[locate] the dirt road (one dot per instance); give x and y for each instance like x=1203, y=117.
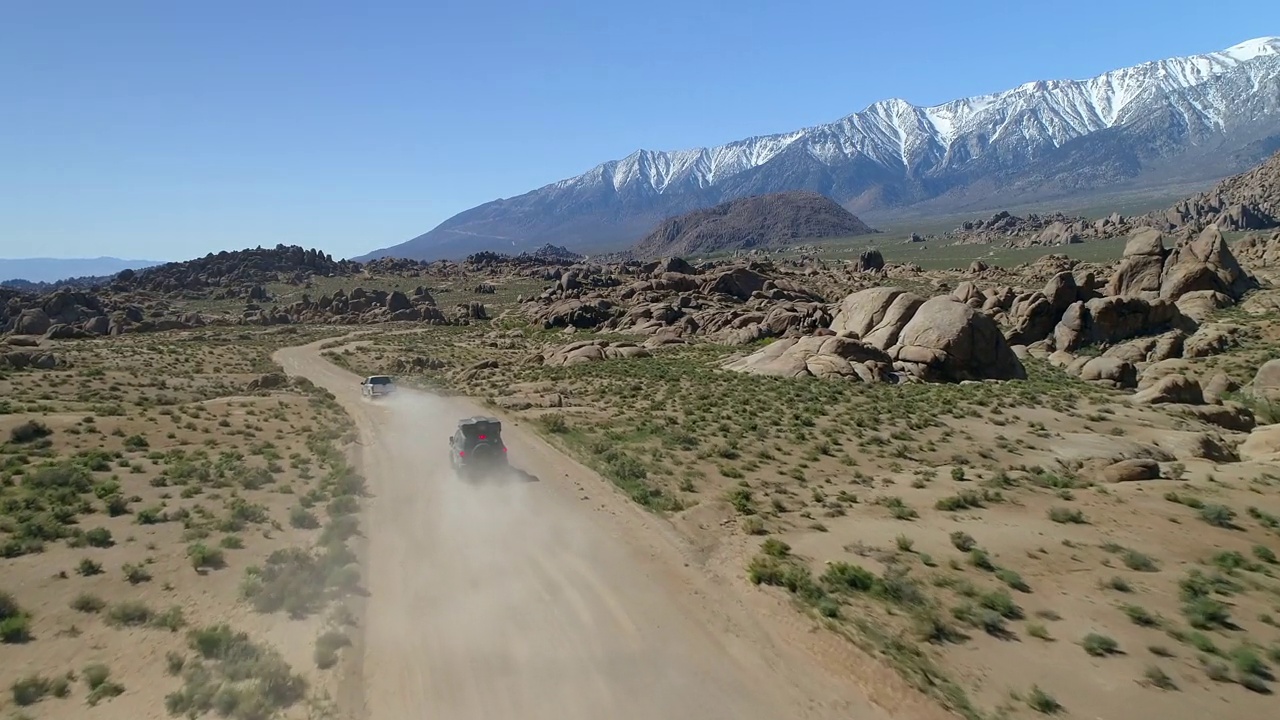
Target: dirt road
x=549, y=598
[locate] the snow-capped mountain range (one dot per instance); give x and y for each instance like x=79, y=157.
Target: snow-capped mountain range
x=1180, y=120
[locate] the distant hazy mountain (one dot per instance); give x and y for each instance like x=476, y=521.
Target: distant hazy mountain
x=48, y=270
x=1182, y=120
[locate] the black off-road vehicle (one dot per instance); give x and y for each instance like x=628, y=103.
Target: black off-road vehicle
x=476, y=448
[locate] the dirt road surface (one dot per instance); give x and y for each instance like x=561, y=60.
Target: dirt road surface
x=547, y=597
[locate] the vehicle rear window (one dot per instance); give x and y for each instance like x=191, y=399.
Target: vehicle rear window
x=380, y=380
x=489, y=430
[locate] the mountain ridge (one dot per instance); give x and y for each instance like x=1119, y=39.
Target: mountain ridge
x=1042, y=138
x=50, y=271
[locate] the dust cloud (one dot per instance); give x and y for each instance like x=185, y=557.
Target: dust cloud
x=487, y=593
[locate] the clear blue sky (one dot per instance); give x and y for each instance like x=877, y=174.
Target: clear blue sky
x=164, y=130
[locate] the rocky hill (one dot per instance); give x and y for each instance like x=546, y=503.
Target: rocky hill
x=1248, y=201
x=237, y=271
x=552, y=253
x=1160, y=123
x=761, y=221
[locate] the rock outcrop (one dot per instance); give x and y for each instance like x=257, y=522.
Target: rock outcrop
x=1204, y=263
x=1112, y=319
x=940, y=339
x=818, y=356
x=587, y=351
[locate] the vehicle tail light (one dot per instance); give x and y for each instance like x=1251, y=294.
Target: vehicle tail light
x=504, y=448
x=484, y=437
x=462, y=453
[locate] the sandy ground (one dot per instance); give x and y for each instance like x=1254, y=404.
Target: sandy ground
x=548, y=596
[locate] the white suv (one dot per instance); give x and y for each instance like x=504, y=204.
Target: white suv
x=376, y=385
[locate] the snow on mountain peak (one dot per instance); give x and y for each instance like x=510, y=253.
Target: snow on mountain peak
x=894, y=132
x=1250, y=49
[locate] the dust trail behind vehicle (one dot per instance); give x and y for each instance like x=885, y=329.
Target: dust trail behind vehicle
x=509, y=608
x=531, y=599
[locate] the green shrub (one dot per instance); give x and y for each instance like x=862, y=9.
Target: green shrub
x=204, y=557
x=99, y=537
x=30, y=689
x=1042, y=702
x=1218, y=516
x=28, y=431
x=1135, y=560
x=130, y=613
x=1066, y=515
x=86, y=603
x=1099, y=645
x=303, y=519
x=1140, y=615
x=846, y=577
x=963, y=541
x=15, y=629
x=136, y=574
x=327, y=647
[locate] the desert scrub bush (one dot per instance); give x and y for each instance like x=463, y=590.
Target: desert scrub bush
x=1099, y=645
x=963, y=500
x=88, y=603
x=1248, y=662
x=963, y=541
x=1013, y=580
x=99, y=537
x=30, y=689
x=554, y=423
x=14, y=621
x=899, y=510
x=989, y=621
x=1135, y=560
x=980, y=559
x=297, y=581
x=28, y=431
x=742, y=499
x=342, y=505
x=89, y=567
x=1042, y=702
x=130, y=613
x=1218, y=516
x=1118, y=584
x=135, y=443
x=204, y=557
x=1066, y=515
x=303, y=519
x=1039, y=631
x=1140, y=615
x=1158, y=678
x=327, y=647
x=98, y=678
x=846, y=577
x=136, y=574
x=235, y=677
